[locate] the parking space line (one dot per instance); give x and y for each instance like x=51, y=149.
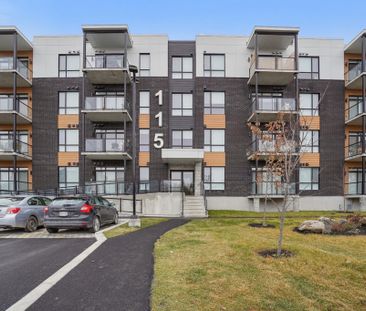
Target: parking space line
x=46, y=285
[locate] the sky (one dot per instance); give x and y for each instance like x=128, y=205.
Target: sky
x=184, y=19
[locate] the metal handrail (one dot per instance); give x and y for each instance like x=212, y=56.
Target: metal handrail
x=269, y=146
x=106, y=61
x=105, y=103
x=6, y=104
x=350, y=112
x=104, y=145
x=271, y=188
x=354, y=149
x=272, y=62
x=358, y=188
x=353, y=73
x=7, y=63
x=6, y=145
x=273, y=104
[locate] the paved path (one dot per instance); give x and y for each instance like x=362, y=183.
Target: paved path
x=25, y=263
x=116, y=276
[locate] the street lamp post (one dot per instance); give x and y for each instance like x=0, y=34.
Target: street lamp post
x=134, y=220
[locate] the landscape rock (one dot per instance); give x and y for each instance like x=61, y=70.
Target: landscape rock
x=314, y=226
x=342, y=221
x=328, y=224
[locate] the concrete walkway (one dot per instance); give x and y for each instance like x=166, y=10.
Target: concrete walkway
x=116, y=276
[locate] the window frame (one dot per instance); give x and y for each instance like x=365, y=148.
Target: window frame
x=144, y=109
x=208, y=184
x=211, y=146
x=65, y=70
x=144, y=147
x=181, y=72
x=64, y=146
x=208, y=72
x=144, y=185
x=208, y=108
x=314, y=147
x=314, y=185
x=146, y=71
x=182, y=146
x=314, y=111
x=67, y=183
x=181, y=109
x=301, y=74
x=63, y=110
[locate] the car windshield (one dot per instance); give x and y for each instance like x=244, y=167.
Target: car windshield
x=10, y=201
x=67, y=201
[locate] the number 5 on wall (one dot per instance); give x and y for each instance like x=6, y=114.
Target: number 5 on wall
x=159, y=140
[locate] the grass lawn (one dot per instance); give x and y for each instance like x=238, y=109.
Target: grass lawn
x=124, y=229
x=213, y=264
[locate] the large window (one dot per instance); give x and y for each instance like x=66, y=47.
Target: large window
x=214, y=178
x=144, y=102
x=308, y=67
x=144, y=64
x=309, y=141
x=144, y=140
x=68, y=65
x=7, y=179
x=182, y=139
x=144, y=179
x=214, y=140
x=68, y=102
x=214, y=102
x=355, y=106
x=309, y=178
x=182, y=104
x=309, y=104
x=68, y=176
x=6, y=141
x=214, y=65
x=110, y=180
x=182, y=67
x=68, y=140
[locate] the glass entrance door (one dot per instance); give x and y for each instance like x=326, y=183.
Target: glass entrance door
x=183, y=179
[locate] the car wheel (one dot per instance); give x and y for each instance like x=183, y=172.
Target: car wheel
x=52, y=230
x=31, y=224
x=115, y=220
x=96, y=225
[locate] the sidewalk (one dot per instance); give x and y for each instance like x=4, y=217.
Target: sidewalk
x=117, y=276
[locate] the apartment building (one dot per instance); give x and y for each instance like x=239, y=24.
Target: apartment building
x=194, y=100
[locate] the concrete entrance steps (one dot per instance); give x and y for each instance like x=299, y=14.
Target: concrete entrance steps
x=194, y=206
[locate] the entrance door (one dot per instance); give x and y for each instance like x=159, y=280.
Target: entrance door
x=184, y=179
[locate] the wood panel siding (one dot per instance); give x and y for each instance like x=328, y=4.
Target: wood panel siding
x=144, y=121
x=144, y=158
x=68, y=158
x=310, y=159
x=214, y=121
x=311, y=122
x=68, y=121
x=214, y=159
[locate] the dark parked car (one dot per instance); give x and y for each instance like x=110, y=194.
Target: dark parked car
x=79, y=212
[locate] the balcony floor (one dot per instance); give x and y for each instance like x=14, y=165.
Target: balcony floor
x=107, y=155
x=9, y=156
x=7, y=79
x=6, y=117
x=107, y=115
x=272, y=77
x=107, y=75
x=356, y=83
x=355, y=158
x=267, y=116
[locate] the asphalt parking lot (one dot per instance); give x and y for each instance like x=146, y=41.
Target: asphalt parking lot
x=26, y=262
x=43, y=234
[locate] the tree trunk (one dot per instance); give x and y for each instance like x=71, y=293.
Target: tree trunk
x=280, y=238
x=264, y=222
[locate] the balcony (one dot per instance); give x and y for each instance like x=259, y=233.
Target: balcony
x=23, y=73
x=23, y=111
x=355, y=151
x=266, y=109
x=105, y=149
x=271, y=189
x=23, y=150
x=182, y=156
x=354, y=112
x=107, y=69
x=273, y=146
x=353, y=77
x=354, y=189
x=106, y=109
x=272, y=70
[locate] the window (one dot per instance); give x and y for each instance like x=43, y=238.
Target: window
x=144, y=140
x=214, y=102
x=214, y=65
x=214, y=178
x=110, y=180
x=68, y=102
x=144, y=179
x=68, y=176
x=308, y=67
x=144, y=102
x=182, y=67
x=309, y=178
x=355, y=106
x=144, y=64
x=355, y=181
x=309, y=141
x=182, y=104
x=6, y=141
x=7, y=179
x=182, y=139
x=68, y=65
x=215, y=140
x=68, y=140
x=309, y=104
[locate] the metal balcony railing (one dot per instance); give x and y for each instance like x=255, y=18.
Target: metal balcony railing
x=6, y=105
x=7, y=63
x=273, y=63
x=6, y=146
x=274, y=104
x=353, y=188
x=104, y=145
x=106, y=61
x=354, y=110
x=271, y=145
x=354, y=72
x=105, y=103
x=271, y=188
x=354, y=149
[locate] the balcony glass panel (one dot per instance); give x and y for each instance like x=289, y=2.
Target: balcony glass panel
x=105, y=103
x=274, y=104
x=104, y=61
x=104, y=145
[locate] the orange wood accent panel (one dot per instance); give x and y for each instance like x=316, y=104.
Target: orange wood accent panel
x=313, y=159
x=144, y=121
x=64, y=158
x=64, y=121
x=313, y=122
x=214, y=121
x=214, y=158
x=144, y=158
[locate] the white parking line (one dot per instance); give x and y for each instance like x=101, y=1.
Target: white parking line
x=46, y=285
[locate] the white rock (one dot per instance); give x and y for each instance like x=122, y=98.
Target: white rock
x=315, y=226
